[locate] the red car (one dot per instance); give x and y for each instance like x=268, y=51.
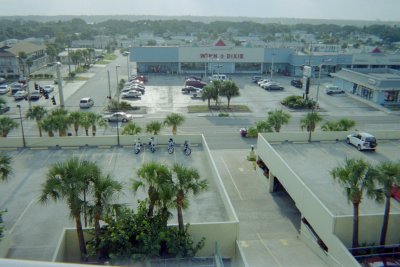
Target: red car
x=141, y=78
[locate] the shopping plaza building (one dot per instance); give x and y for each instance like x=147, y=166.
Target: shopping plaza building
x=372, y=75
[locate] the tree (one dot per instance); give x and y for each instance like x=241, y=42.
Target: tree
x=5, y=167
x=209, y=92
x=310, y=121
x=187, y=180
x=152, y=176
x=95, y=119
x=67, y=181
x=7, y=125
x=49, y=124
x=37, y=113
x=331, y=126
x=174, y=120
x=131, y=128
x=61, y=120
x=105, y=190
x=346, y=124
x=263, y=126
x=85, y=122
x=154, y=127
x=229, y=89
x=356, y=177
x=75, y=118
x=388, y=175
x=278, y=118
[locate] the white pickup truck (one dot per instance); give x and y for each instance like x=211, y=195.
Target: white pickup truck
x=362, y=141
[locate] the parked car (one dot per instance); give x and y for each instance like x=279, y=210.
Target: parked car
x=34, y=95
x=333, y=90
x=118, y=116
x=297, y=83
x=4, y=108
x=263, y=81
x=362, y=141
x=2, y=80
x=194, y=78
x=131, y=94
x=4, y=89
x=197, y=93
x=140, y=78
x=134, y=83
x=255, y=79
x=271, y=87
x=22, y=94
x=133, y=87
x=189, y=89
x=219, y=77
x=265, y=84
x=15, y=87
x=86, y=102
x=195, y=83
x=48, y=88
x=396, y=193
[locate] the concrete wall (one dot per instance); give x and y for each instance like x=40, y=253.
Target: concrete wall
x=4, y=246
x=109, y=140
x=369, y=229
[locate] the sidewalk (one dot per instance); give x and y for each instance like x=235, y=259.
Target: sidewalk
x=269, y=223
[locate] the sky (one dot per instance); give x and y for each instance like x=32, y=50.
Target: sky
x=383, y=10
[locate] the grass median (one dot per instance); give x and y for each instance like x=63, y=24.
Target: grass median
x=219, y=108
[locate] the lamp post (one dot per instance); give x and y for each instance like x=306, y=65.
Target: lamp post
x=272, y=65
x=319, y=77
x=109, y=85
x=127, y=63
x=116, y=72
x=22, y=126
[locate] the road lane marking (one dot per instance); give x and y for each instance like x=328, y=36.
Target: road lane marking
x=230, y=175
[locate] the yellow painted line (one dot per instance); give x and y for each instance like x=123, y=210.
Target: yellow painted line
x=8, y=148
x=284, y=242
x=70, y=147
x=300, y=142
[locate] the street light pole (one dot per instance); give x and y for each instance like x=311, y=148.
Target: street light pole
x=116, y=72
x=22, y=126
x=272, y=65
x=127, y=63
x=59, y=82
x=109, y=85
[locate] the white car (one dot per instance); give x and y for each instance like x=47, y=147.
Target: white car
x=86, y=102
x=131, y=94
x=118, y=116
x=266, y=84
x=362, y=141
x=263, y=81
x=4, y=89
x=20, y=95
x=48, y=88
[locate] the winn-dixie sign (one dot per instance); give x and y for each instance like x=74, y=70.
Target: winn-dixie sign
x=222, y=56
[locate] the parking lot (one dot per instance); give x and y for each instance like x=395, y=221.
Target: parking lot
x=35, y=228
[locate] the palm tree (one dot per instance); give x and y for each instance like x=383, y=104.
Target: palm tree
x=154, y=127
x=85, y=122
x=229, y=89
x=5, y=167
x=263, y=126
x=346, y=124
x=95, y=119
x=75, y=118
x=49, y=125
x=174, y=120
x=356, y=176
x=131, y=128
x=278, y=118
x=310, y=121
x=387, y=175
x=152, y=176
x=37, y=113
x=209, y=92
x=105, y=190
x=67, y=181
x=187, y=180
x=61, y=120
x=331, y=126
x=7, y=125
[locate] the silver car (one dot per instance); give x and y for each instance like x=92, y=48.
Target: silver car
x=118, y=116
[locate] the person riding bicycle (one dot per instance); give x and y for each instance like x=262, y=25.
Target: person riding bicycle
x=138, y=143
x=152, y=142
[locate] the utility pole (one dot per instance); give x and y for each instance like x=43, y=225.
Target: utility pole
x=59, y=82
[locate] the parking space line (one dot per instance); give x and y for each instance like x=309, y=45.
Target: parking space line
x=233, y=181
x=20, y=216
x=269, y=250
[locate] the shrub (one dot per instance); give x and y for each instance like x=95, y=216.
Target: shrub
x=252, y=132
x=297, y=102
x=223, y=114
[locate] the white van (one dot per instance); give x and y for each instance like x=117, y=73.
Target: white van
x=219, y=77
x=86, y=102
x=332, y=90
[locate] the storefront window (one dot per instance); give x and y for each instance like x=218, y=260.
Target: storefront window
x=247, y=66
x=192, y=66
x=392, y=96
